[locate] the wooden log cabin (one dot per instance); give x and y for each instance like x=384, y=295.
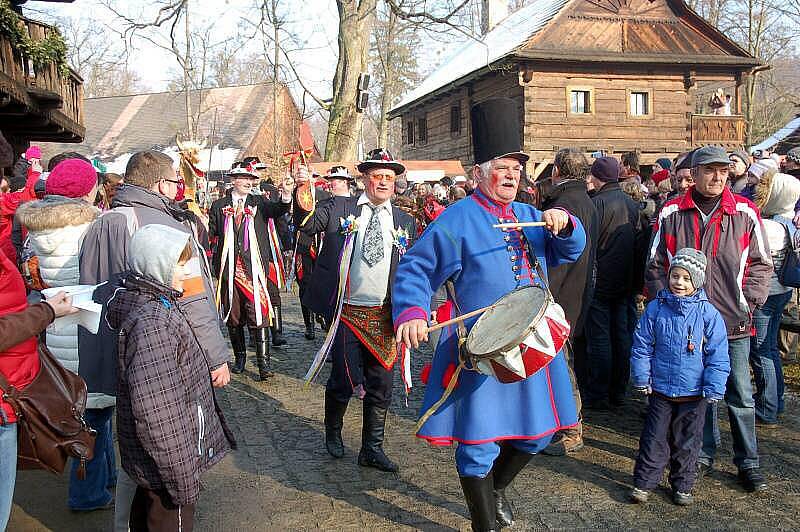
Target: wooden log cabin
x=615, y=75
x=37, y=102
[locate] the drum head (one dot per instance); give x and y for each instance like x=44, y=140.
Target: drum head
x=509, y=322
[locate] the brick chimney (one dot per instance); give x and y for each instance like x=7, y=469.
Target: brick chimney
x=492, y=12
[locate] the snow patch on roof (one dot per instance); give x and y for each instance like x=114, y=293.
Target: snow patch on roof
x=509, y=35
x=221, y=159
x=778, y=136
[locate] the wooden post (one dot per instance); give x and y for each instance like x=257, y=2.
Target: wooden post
x=738, y=92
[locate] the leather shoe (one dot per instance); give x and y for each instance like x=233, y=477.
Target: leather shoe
x=752, y=479
x=570, y=441
x=376, y=458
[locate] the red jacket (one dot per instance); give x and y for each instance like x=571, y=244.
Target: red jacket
x=739, y=262
x=9, y=202
x=19, y=358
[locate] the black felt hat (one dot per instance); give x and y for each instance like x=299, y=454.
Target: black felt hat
x=381, y=158
x=496, y=131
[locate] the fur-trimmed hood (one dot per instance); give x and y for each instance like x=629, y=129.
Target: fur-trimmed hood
x=776, y=194
x=55, y=212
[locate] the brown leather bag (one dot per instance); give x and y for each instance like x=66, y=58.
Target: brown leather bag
x=50, y=424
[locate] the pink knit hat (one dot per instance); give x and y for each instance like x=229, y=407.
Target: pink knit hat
x=34, y=152
x=73, y=178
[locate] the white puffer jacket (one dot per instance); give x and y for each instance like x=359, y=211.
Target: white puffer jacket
x=56, y=226
x=776, y=195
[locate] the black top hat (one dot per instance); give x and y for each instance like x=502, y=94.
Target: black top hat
x=496, y=131
x=381, y=158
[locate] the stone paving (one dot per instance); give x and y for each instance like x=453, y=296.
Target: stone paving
x=281, y=478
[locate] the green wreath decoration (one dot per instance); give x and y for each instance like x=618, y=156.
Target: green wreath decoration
x=52, y=49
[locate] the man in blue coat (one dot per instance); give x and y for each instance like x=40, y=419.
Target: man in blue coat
x=498, y=427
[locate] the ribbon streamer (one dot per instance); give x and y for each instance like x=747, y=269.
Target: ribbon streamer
x=277, y=254
x=344, y=272
x=229, y=262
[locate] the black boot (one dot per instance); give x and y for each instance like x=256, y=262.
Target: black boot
x=334, y=420
x=506, y=467
x=262, y=355
x=309, y=321
x=480, y=501
x=371, y=454
x=236, y=334
x=277, y=327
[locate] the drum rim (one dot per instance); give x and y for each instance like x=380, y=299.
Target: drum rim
x=548, y=298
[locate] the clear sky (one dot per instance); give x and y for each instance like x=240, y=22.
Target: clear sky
x=314, y=23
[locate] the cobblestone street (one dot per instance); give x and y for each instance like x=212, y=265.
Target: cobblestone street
x=281, y=478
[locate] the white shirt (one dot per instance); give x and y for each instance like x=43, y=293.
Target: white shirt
x=368, y=286
x=235, y=199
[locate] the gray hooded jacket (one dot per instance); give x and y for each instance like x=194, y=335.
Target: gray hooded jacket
x=104, y=256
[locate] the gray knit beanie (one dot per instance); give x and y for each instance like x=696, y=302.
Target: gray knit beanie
x=794, y=155
x=694, y=262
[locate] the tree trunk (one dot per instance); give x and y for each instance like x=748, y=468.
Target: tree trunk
x=356, y=20
x=388, y=82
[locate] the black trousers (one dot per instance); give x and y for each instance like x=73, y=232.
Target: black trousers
x=243, y=311
x=355, y=368
x=153, y=511
x=673, y=433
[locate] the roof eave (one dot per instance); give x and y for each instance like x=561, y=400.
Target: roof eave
x=660, y=59
x=453, y=85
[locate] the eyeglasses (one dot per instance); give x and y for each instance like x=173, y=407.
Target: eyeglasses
x=377, y=178
x=175, y=181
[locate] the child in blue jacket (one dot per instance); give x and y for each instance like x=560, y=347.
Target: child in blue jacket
x=680, y=359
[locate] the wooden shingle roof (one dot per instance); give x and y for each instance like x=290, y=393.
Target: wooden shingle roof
x=657, y=32
x=124, y=124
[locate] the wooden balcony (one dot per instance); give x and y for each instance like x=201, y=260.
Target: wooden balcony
x=38, y=103
x=720, y=130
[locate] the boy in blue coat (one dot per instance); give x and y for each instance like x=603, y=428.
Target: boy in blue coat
x=680, y=359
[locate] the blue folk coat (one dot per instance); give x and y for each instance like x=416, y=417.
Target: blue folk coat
x=462, y=245
x=680, y=347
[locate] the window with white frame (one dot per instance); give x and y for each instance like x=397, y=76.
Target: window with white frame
x=580, y=101
x=639, y=103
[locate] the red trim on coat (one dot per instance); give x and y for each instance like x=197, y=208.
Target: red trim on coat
x=449, y=440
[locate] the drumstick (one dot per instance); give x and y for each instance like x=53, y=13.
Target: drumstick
x=460, y=318
x=519, y=224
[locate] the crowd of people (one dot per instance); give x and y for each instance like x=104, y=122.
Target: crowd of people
x=671, y=283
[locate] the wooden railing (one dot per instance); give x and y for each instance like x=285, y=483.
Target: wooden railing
x=728, y=131
x=44, y=84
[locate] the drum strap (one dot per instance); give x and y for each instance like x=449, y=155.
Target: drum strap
x=461, y=331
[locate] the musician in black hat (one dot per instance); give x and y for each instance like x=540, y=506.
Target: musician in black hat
x=497, y=426
x=374, y=234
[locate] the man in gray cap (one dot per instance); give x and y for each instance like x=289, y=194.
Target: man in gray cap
x=728, y=229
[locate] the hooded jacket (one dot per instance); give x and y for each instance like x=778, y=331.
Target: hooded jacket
x=739, y=262
x=776, y=195
x=572, y=284
x=56, y=226
x=680, y=347
x=104, y=255
x=170, y=427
